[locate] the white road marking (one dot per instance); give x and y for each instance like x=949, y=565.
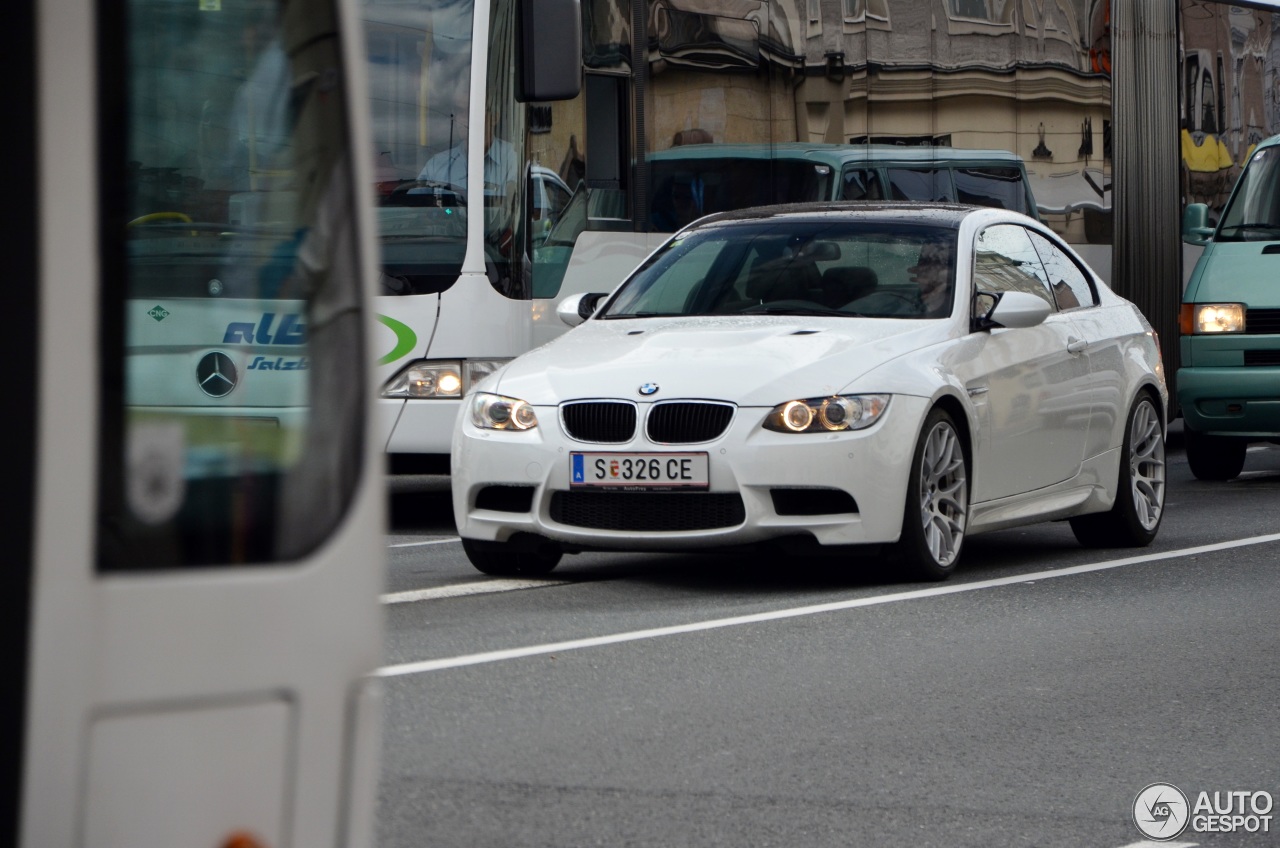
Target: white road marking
x=459, y=590
x=1145, y=844
x=420, y=667
x=427, y=542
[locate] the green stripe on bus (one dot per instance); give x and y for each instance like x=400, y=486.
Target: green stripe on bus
x=406, y=338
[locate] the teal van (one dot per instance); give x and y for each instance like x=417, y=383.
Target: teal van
x=693, y=180
x=1229, y=380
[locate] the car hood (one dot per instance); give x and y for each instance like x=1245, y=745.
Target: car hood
x=752, y=361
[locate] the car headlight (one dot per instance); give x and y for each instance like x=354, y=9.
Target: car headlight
x=1202, y=318
x=440, y=378
x=496, y=412
x=826, y=414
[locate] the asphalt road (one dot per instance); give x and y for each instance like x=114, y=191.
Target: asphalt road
x=663, y=700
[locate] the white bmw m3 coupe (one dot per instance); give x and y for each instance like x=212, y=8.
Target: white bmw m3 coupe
x=890, y=377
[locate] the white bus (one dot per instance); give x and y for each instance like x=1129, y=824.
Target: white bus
x=194, y=503
x=1102, y=102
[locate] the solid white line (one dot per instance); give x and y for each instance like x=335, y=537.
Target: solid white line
x=459, y=590
x=428, y=542
x=796, y=612
x=1145, y=844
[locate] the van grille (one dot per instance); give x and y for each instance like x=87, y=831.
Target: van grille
x=605, y=422
x=648, y=511
x=1262, y=321
x=686, y=422
x=1262, y=357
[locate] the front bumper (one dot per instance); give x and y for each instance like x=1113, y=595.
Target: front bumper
x=1240, y=401
x=747, y=462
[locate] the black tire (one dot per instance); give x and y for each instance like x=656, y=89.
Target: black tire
x=1214, y=457
x=1134, y=519
x=936, y=513
x=512, y=559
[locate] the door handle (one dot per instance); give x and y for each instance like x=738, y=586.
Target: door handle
x=1075, y=345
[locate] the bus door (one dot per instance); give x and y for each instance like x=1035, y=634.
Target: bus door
x=193, y=613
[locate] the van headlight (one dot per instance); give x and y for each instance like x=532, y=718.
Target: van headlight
x=498, y=412
x=440, y=378
x=826, y=414
x=1208, y=318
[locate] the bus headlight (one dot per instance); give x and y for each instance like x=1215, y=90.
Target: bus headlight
x=497, y=412
x=826, y=414
x=440, y=378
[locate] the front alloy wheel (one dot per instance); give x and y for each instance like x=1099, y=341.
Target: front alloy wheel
x=1139, y=506
x=937, y=508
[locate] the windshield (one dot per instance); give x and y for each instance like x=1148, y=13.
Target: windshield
x=845, y=268
x=1254, y=211
x=419, y=54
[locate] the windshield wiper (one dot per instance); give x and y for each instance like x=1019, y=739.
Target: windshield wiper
x=647, y=315
x=798, y=310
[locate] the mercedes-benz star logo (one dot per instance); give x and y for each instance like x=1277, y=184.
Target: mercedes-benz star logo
x=216, y=374
x=649, y=389
x=1161, y=812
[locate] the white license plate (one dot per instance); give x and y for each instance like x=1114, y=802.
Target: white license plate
x=639, y=470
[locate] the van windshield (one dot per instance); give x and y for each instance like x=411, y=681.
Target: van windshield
x=687, y=189
x=1253, y=213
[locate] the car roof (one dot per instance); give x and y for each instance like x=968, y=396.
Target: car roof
x=913, y=212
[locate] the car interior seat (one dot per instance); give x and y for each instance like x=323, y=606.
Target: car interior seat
x=840, y=285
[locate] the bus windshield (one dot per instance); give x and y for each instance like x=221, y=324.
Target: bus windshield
x=419, y=54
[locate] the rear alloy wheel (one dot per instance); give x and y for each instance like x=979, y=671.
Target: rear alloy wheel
x=511, y=559
x=1134, y=519
x=1214, y=457
x=937, y=508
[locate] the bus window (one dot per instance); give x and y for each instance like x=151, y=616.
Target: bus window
x=227, y=234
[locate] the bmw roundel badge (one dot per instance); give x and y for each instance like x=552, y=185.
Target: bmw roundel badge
x=649, y=389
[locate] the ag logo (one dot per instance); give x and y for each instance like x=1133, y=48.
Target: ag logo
x=1161, y=812
x=216, y=374
x=649, y=389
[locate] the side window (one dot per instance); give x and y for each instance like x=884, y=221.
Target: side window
x=1002, y=188
x=929, y=184
x=860, y=184
x=1071, y=285
x=1004, y=260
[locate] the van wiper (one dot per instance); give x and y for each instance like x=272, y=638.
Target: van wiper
x=1264, y=226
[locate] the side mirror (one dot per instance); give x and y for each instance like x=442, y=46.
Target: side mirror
x=576, y=308
x=1195, y=224
x=1012, y=309
x=550, y=56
